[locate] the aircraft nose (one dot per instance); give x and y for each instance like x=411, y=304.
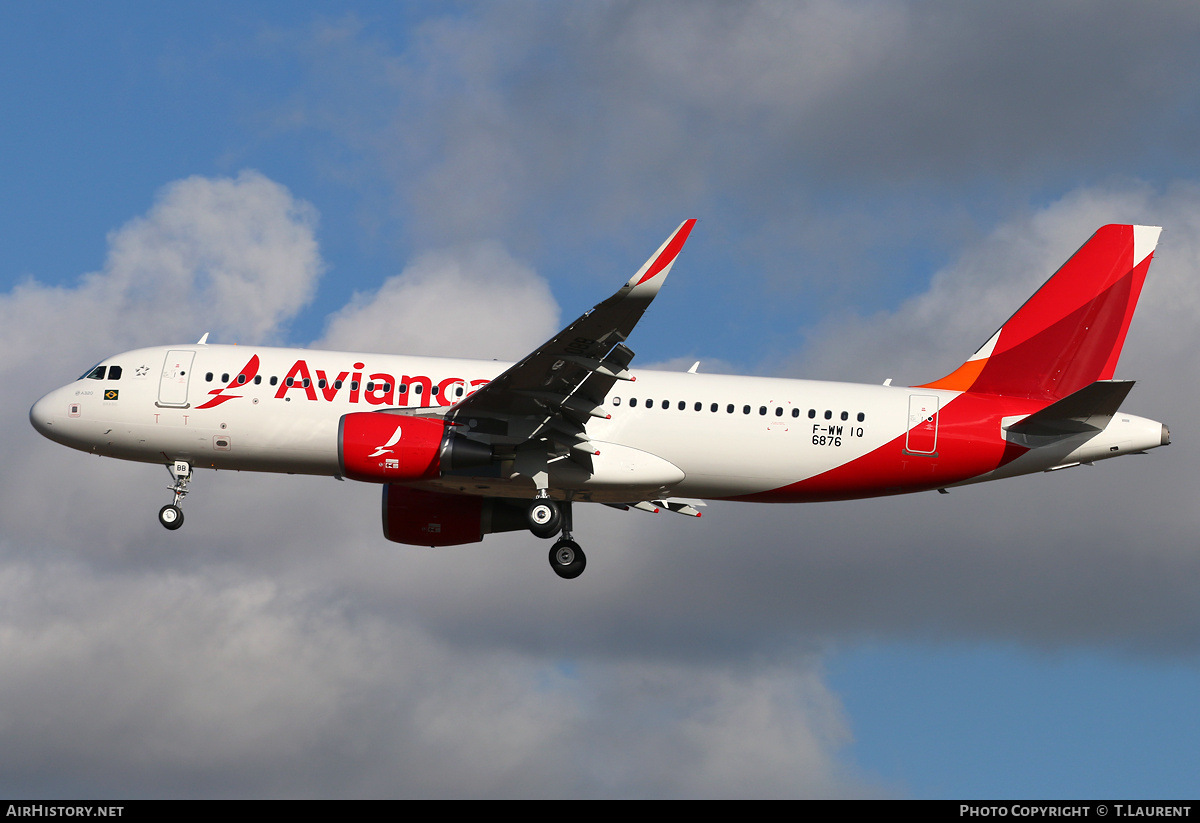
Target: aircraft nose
x=41, y=415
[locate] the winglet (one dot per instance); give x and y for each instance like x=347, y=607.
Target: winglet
x=650, y=276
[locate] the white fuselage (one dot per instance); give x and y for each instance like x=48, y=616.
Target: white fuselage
x=669, y=433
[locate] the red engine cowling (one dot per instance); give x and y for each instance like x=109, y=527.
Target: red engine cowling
x=387, y=448
x=423, y=518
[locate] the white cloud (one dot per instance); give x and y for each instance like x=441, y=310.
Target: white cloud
x=235, y=256
x=471, y=302
x=239, y=253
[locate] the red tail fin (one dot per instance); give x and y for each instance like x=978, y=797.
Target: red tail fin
x=1070, y=333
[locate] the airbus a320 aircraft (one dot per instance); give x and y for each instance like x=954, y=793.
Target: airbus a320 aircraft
x=466, y=448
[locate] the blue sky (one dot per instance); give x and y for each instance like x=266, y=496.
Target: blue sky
x=879, y=185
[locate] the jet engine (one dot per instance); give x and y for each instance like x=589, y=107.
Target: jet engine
x=424, y=518
x=377, y=447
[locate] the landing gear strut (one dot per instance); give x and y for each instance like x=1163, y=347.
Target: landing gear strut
x=171, y=515
x=566, y=558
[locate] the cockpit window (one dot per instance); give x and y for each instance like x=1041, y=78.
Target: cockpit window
x=114, y=372
x=95, y=374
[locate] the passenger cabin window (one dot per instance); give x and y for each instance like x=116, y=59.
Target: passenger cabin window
x=729, y=409
x=258, y=379
x=241, y=379
x=845, y=415
x=745, y=409
x=666, y=404
x=275, y=380
x=828, y=414
x=714, y=407
x=779, y=411
x=208, y=377
x=795, y=412
x=762, y=409
x=321, y=383
x=225, y=377
x=433, y=390
x=861, y=417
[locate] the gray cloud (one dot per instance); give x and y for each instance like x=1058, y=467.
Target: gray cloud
x=622, y=110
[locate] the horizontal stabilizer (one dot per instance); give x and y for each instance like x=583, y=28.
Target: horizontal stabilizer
x=1087, y=410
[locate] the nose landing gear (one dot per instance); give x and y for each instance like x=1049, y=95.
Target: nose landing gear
x=171, y=515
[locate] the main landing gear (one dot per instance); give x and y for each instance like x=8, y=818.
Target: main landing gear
x=567, y=559
x=171, y=515
x=547, y=518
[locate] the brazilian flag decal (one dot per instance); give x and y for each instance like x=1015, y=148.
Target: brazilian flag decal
x=110, y=394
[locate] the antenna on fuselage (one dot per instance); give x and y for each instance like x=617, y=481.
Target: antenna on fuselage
x=203, y=341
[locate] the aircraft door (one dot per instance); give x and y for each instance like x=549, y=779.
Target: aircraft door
x=922, y=424
x=176, y=372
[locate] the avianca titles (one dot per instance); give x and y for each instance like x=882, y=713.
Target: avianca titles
x=466, y=448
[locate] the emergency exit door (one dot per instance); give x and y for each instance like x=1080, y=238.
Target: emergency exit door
x=176, y=372
x=922, y=424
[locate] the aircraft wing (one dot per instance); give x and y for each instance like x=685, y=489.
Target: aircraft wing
x=557, y=388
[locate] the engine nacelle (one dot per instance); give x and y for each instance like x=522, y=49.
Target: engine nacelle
x=377, y=447
x=423, y=518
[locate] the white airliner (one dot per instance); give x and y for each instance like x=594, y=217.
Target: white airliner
x=465, y=448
